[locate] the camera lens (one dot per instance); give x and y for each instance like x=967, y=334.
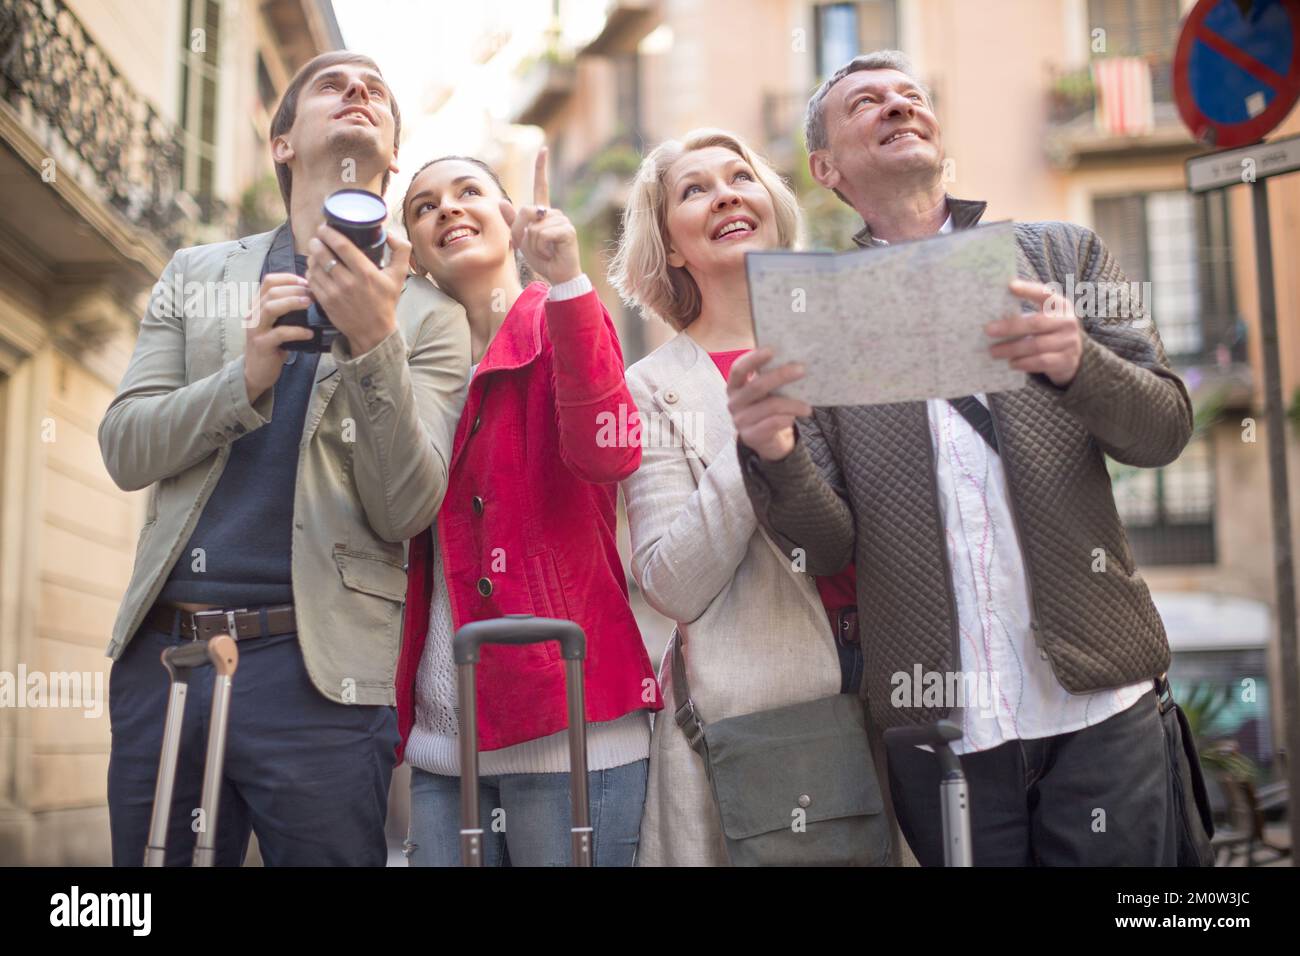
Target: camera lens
x=358, y=214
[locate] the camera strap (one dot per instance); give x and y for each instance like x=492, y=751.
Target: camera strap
x=280, y=258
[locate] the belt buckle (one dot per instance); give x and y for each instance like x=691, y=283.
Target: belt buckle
x=228, y=614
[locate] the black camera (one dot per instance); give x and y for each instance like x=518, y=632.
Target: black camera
x=359, y=214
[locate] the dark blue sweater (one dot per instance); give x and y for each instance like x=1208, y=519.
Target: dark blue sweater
x=240, y=554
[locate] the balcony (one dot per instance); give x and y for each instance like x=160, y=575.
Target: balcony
x=627, y=22
x=1079, y=130
x=546, y=86
x=68, y=112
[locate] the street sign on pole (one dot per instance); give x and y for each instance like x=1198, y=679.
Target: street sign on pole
x=1236, y=76
x=1237, y=69
x=1232, y=167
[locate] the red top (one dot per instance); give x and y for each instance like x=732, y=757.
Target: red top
x=838, y=590
x=724, y=360
x=528, y=523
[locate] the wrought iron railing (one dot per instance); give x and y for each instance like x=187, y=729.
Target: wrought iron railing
x=129, y=150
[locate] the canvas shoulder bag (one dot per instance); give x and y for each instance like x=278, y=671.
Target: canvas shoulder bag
x=795, y=785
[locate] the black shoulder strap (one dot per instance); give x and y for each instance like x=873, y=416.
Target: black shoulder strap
x=980, y=418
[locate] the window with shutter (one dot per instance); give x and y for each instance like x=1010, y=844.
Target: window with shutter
x=1179, y=244
x=200, y=73
x=1145, y=28
x=844, y=30
x=1168, y=513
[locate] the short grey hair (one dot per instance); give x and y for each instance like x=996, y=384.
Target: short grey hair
x=814, y=123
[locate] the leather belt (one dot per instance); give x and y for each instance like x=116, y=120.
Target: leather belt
x=846, y=631
x=240, y=623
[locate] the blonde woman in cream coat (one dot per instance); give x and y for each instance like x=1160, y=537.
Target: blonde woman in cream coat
x=754, y=629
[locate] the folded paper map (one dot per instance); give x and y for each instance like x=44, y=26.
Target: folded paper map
x=894, y=324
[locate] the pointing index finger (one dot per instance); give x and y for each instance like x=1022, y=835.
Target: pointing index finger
x=541, y=188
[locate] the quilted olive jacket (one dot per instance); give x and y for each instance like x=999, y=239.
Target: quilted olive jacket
x=860, y=484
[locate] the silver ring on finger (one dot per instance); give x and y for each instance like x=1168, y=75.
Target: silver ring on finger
x=542, y=211
x=329, y=266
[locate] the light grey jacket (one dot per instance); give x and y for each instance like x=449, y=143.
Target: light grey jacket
x=372, y=460
x=755, y=631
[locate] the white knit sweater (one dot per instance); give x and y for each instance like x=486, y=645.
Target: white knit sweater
x=434, y=745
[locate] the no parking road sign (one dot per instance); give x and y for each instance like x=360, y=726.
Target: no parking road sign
x=1237, y=69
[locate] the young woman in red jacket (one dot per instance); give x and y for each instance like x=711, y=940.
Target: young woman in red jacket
x=527, y=526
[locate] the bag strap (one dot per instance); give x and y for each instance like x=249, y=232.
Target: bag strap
x=686, y=716
x=979, y=417
x=1164, y=693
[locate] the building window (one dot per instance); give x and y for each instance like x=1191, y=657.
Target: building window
x=200, y=72
x=1145, y=28
x=1180, y=245
x=1169, y=512
x=844, y=30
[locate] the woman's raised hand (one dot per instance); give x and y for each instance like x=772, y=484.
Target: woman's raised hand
x=545, y=236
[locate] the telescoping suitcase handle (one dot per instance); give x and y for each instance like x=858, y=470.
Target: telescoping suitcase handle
x=954, y=798
x=521, y=629
x=179, y=662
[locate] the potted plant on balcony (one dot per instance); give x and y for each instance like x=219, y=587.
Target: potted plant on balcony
x=1071, y=95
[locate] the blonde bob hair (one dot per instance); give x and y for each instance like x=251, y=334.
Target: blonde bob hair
x=640, y=270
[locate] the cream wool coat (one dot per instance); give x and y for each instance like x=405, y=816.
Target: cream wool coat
x=754, y=629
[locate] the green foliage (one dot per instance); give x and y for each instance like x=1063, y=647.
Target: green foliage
x=829, y=222
x=260, y=206
x=1203, y=706
x=1075, y=85
x=1293, y=411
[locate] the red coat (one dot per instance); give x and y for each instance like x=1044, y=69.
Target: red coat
x=531, y=448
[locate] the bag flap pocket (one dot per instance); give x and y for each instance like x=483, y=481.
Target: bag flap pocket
x=371, y=574
x=812, y=757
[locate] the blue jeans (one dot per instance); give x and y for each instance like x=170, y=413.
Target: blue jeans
x=309, y=776
x=526, y=817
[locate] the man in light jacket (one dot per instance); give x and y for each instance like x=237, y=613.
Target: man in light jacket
x=976, y=524
x=282, y=486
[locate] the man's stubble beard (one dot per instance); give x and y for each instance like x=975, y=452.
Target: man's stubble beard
x=358, y=144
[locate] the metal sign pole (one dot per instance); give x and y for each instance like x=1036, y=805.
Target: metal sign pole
x=1283, y=559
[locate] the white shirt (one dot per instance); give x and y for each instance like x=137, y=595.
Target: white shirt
x=1012, y=692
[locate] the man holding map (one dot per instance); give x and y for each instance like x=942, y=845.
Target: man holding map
x=995, y=584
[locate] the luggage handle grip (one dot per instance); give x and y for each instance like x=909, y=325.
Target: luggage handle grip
x=937, y=735
x=187, y=655
x=219, y=651
x=518, y=629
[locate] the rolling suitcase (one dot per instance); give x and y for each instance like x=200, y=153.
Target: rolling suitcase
x=180, y=662
x=954, y=799
x=521, y=629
